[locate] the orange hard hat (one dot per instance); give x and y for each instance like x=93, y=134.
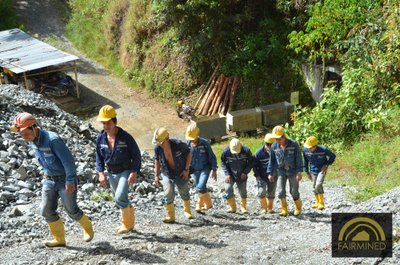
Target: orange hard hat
x=23, y=121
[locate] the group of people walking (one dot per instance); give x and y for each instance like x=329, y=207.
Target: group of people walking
x=118, y=162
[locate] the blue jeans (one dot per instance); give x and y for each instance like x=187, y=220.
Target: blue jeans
x=242, y=187
x=266, y=188
x=119, y=187
x=169, y=188
x=51, y=192
x=318, y=180
x=293, y=184
x=200, y=179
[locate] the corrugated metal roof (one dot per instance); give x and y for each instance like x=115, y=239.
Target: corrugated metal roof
x=19, y=52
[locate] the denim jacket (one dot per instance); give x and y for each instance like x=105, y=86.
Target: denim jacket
x=54, y=156
x=236, y=164
x=203, y=156
x=125, y=151
x=317, y=159
x=261, y=162
x=287, y=162
x=180, y=151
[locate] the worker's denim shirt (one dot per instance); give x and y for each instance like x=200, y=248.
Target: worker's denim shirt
x=287, y=162
x=180, y=151
x=203, y=156
x=236, y=164
x=125, y=151
x=54, y=156
x=317, y=159
x=261, y=162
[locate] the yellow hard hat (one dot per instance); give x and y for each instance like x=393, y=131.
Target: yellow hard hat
x=192, y=132
x=179, y=103
x=160, y=135
x=106, y=113
x=235, y=146
x=311, y=142
x=269, y=139
x=278, y=132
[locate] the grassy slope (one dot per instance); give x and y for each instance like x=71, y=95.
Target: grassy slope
x=369, y=168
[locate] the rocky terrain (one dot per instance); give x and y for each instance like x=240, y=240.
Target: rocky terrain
x=212, y=238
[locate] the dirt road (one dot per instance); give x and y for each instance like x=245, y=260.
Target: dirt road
x=138, y=113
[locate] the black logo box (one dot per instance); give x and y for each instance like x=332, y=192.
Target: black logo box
x=362, y=235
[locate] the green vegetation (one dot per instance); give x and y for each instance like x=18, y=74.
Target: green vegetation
x=363, y=37
x=171, y=47
x=370, y=168
x=105, y=195
x=8, y=18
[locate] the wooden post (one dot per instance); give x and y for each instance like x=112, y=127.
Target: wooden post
x=224, y=105
x=208, y=83
x=221, y=94
x=233, y=92
x=25, y=81
x=211, y=96
x=214, y=99
x=203, y=102
x=78, y=90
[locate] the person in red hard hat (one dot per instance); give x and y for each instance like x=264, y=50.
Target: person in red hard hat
x=59, y=180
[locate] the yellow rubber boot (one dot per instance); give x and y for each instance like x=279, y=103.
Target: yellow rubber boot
x=232, y=205
x=263, y=204
x=321, y=204
x=87, y=228
x=284, y=211
x=58, y=232
x=170, y=210
x=127, y=220
x=298, y=205
x=270, y=205
x=200, y=202
x=315, y=205
x=186, y=209
x=207, y=201
x=243, y=206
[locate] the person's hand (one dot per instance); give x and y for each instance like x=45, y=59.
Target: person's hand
x=324, y=169
x=298, y=176
x=103, y=180
x=271, y=178
x=185, y=174
x=214, y=175
x=70, y=188
x=243, y=176
x=157, y=181
x=132, y=178
x=228, y=179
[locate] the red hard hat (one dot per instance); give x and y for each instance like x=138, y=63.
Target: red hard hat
x=24, y=120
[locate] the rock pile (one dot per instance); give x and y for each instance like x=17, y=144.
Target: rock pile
x=20, y=173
